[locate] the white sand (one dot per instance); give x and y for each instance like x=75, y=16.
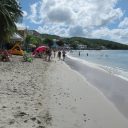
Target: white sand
x=24, y=95
x=51, y=95
x=76, y=104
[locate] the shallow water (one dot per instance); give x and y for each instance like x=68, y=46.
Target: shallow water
x=114, y=61
x=113, y=87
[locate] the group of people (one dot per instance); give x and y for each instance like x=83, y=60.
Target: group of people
x=80, y=53
x=49, y=53
x=61, y=54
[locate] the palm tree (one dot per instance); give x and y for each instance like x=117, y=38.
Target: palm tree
x=10, y=13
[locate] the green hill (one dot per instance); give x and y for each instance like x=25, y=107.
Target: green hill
x=50, y=36
x=90, y=43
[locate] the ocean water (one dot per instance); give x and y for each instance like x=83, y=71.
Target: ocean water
x=113, y=61
x=107, y=70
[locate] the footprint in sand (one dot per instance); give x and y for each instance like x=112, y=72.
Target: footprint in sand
x=73, y=109
x=41, y=127
x=11, y=121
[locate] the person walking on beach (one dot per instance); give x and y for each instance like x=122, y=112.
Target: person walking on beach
x=49, y=52
x=54, y=51
x=64, y=54
x=59, y=54
x=46, y=54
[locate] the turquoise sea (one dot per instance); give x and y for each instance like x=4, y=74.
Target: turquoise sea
x=107, y=70
x=114, y=61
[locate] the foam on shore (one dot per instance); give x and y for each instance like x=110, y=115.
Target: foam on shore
x=115, y=71
x=113, y=87
x=75, y=103
x=52, y=95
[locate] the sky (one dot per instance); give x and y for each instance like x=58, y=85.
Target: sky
x=101, y=19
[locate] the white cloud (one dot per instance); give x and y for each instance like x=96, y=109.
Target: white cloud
x=77, y=31
x=21, y=26
x=87, y=13
x=35, y=16
x=102, y=32
x=124, y=23
x=60, y=15
x=25, y=13
x=119, y=35
x=54, y=29
x=87, y=18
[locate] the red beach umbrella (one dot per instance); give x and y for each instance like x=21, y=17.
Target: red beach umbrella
x=40, y=49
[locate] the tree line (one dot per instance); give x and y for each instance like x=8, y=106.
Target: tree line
x=73, y=42
x=11, y=13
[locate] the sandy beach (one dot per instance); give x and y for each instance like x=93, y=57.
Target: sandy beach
x=52, y=95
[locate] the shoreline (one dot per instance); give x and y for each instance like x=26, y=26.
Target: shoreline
x=112, y=87
x=52, y=95
x=75, y=103
x=107, y=69
x=104, y=61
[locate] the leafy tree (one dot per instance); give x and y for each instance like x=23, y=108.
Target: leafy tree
x=10, y=13
x=48, y=41
x=74, y=44
x=60, y=43
x=31, y=39
x=91, y=43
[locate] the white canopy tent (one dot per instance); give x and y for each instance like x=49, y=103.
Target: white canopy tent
x=16, y=37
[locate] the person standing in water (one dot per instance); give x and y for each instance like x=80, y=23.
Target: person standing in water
x=79, y=53
x=64, y=54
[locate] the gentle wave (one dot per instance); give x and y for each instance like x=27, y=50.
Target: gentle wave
x=114, y=71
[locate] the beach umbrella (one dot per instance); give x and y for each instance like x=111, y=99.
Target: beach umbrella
x=40, y=49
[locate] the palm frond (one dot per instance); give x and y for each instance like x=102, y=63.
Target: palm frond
x=10, y=13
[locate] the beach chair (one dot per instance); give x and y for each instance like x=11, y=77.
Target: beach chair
x=16, y=50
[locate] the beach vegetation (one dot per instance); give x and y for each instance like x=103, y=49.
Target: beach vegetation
x=31, y=39
x=48, y=42
x=10, y=14
x=97, y=44
x=74, y=44
x=60, y=42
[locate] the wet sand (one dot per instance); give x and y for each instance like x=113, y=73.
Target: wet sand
x=77, y=104
x=113, y=87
